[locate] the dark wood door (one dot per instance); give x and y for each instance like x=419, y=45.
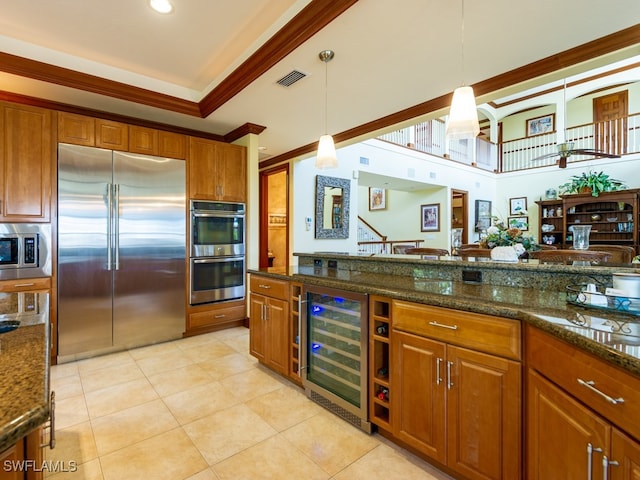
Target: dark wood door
x=610, y=122
x=626, y=454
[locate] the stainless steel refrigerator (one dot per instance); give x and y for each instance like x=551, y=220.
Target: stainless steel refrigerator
x=121, y=250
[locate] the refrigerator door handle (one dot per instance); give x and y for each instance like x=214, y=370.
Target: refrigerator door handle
x=109, y=226
x=116, y=225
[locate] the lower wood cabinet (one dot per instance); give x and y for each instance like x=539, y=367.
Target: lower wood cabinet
x=572, y=430
x=203, y=318
x=458, y=406
x=24, y=460
x=269, y=322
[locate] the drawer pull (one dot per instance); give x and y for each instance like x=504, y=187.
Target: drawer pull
x=24, y=284
x=264, y=286
x=442, y=325
x=221, y=315
x=590, y=385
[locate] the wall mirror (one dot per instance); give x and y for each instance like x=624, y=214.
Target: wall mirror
x=332, y=207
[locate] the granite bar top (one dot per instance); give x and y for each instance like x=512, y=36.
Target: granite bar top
x=24, y=365
x=611, y=335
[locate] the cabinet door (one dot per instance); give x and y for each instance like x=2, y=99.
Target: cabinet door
x=202, y=169
x=172, y=145
x=232, y=170
x=26, y=157
x=483, y=415
x=12, y=456
x=76, y=129
x=626, y=453
x=277, y=335
x=257, y=338
x=112, y=135
x=417, y=393
x=559, y=432
x=143, y=140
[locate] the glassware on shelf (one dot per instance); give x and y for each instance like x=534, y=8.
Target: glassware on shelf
x=456, y=240
x=581, y=236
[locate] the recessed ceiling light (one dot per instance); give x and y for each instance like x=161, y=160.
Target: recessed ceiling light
x=161, y=6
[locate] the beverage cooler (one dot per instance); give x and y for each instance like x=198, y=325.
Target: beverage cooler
x=334, y=352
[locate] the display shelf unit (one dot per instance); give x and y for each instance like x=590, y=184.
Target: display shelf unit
x=551, y=212
x=296, y=302
x=379, y=387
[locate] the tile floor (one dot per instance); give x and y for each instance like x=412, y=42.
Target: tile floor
x=201, y=408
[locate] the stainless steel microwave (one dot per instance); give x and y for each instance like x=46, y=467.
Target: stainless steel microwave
x=25, y=250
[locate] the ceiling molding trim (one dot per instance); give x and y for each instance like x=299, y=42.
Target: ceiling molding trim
x=602, y=46
x=45, y=72
x=313, y=18
x=243, y=130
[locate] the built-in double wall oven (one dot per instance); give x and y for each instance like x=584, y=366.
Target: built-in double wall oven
x=217, y=254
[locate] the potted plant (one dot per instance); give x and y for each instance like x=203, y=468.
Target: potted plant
x=591, y=182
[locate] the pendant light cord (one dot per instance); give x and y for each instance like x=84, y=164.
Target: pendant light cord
x=462, y=42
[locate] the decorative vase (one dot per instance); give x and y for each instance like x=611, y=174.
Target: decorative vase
x=581, y=236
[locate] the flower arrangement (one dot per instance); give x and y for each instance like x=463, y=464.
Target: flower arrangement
x=499, y=235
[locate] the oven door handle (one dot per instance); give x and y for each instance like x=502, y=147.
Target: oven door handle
x=216, y=259
x=197, y=214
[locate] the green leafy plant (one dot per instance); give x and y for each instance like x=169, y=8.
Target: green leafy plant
x=591, y=182
x=500, y=235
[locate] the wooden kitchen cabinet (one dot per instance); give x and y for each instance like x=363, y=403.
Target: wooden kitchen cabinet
x=581, y=414
x=269, y=322
x=217, y=171
x=25, y=449
x=295, y=311
x=211, y=316
x=379, y=361
x=92, y=132
x=149, y=141
x=27, y=153
x=457, y=405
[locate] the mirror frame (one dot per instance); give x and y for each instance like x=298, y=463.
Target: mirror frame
x=321, y=183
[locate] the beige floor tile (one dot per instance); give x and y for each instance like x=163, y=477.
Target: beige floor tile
x=174, y=381
x=64, y=370
x=273, y=458
x=157, y=349
x=87, y=471
x=198, y=402
x=164, y=362
x=225, y=433
x=228, y=365
x=208, y=351
x=207, y=474
x=389, y=462
x=239, y=343
x=67, y=386
x=284, y=407
x=103, y=361
x=73, y=444
x=168, y=456
x=196, y=340
x=109, y=376
x=118, y=397
x=252, y=383
x=71, y=411
x=126, y=427
x=330, y=441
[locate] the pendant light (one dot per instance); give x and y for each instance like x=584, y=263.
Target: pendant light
x=326, y=156
x=463, y=114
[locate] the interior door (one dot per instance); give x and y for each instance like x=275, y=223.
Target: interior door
x=610, y=116
x=274, y=217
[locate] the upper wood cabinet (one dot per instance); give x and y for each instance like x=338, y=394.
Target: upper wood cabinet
x=26, y=156
x=217, y=171
x=96, y=132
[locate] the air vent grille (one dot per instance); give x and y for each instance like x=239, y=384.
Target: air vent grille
x=291, y=78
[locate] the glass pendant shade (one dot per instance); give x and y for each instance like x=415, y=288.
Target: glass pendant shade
x=326, y=157
x=463, y=115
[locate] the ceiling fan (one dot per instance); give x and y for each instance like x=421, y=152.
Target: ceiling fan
x=565, y=149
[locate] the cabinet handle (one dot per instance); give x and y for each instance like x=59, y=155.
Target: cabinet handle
x=219, y=316
x=605, y=467
x=266, y=312
x=264, y=286
x=590, y=385
x=442, y=325
x=438, y=376
x=590, y=450
x=262, y=314
x=449, y=382
x=24, y=284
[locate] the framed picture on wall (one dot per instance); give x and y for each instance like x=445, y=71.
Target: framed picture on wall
x=430, y=218
x=518, y=206
x=377, y=198
x=540, y=125
x=520, y=222
x=483, y=215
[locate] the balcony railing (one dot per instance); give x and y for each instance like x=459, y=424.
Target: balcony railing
x=620, y=136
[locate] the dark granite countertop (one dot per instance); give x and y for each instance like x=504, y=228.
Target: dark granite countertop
x=610, y=335
x=24, y=363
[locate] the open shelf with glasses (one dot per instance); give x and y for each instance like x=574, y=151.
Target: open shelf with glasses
x=379, y=356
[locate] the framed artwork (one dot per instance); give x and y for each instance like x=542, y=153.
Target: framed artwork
x=517, y=206
x=377, y=198
x=540, y=125
x=520, y=222
x=483, y=215
x=430, y=218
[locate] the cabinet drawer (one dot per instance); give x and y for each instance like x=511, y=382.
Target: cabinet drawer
x=498, y=336
x=217, y=315
x=270, y=287
x=26, y=284
x=567, y=365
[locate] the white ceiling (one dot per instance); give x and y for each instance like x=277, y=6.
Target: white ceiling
x=390, y=55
